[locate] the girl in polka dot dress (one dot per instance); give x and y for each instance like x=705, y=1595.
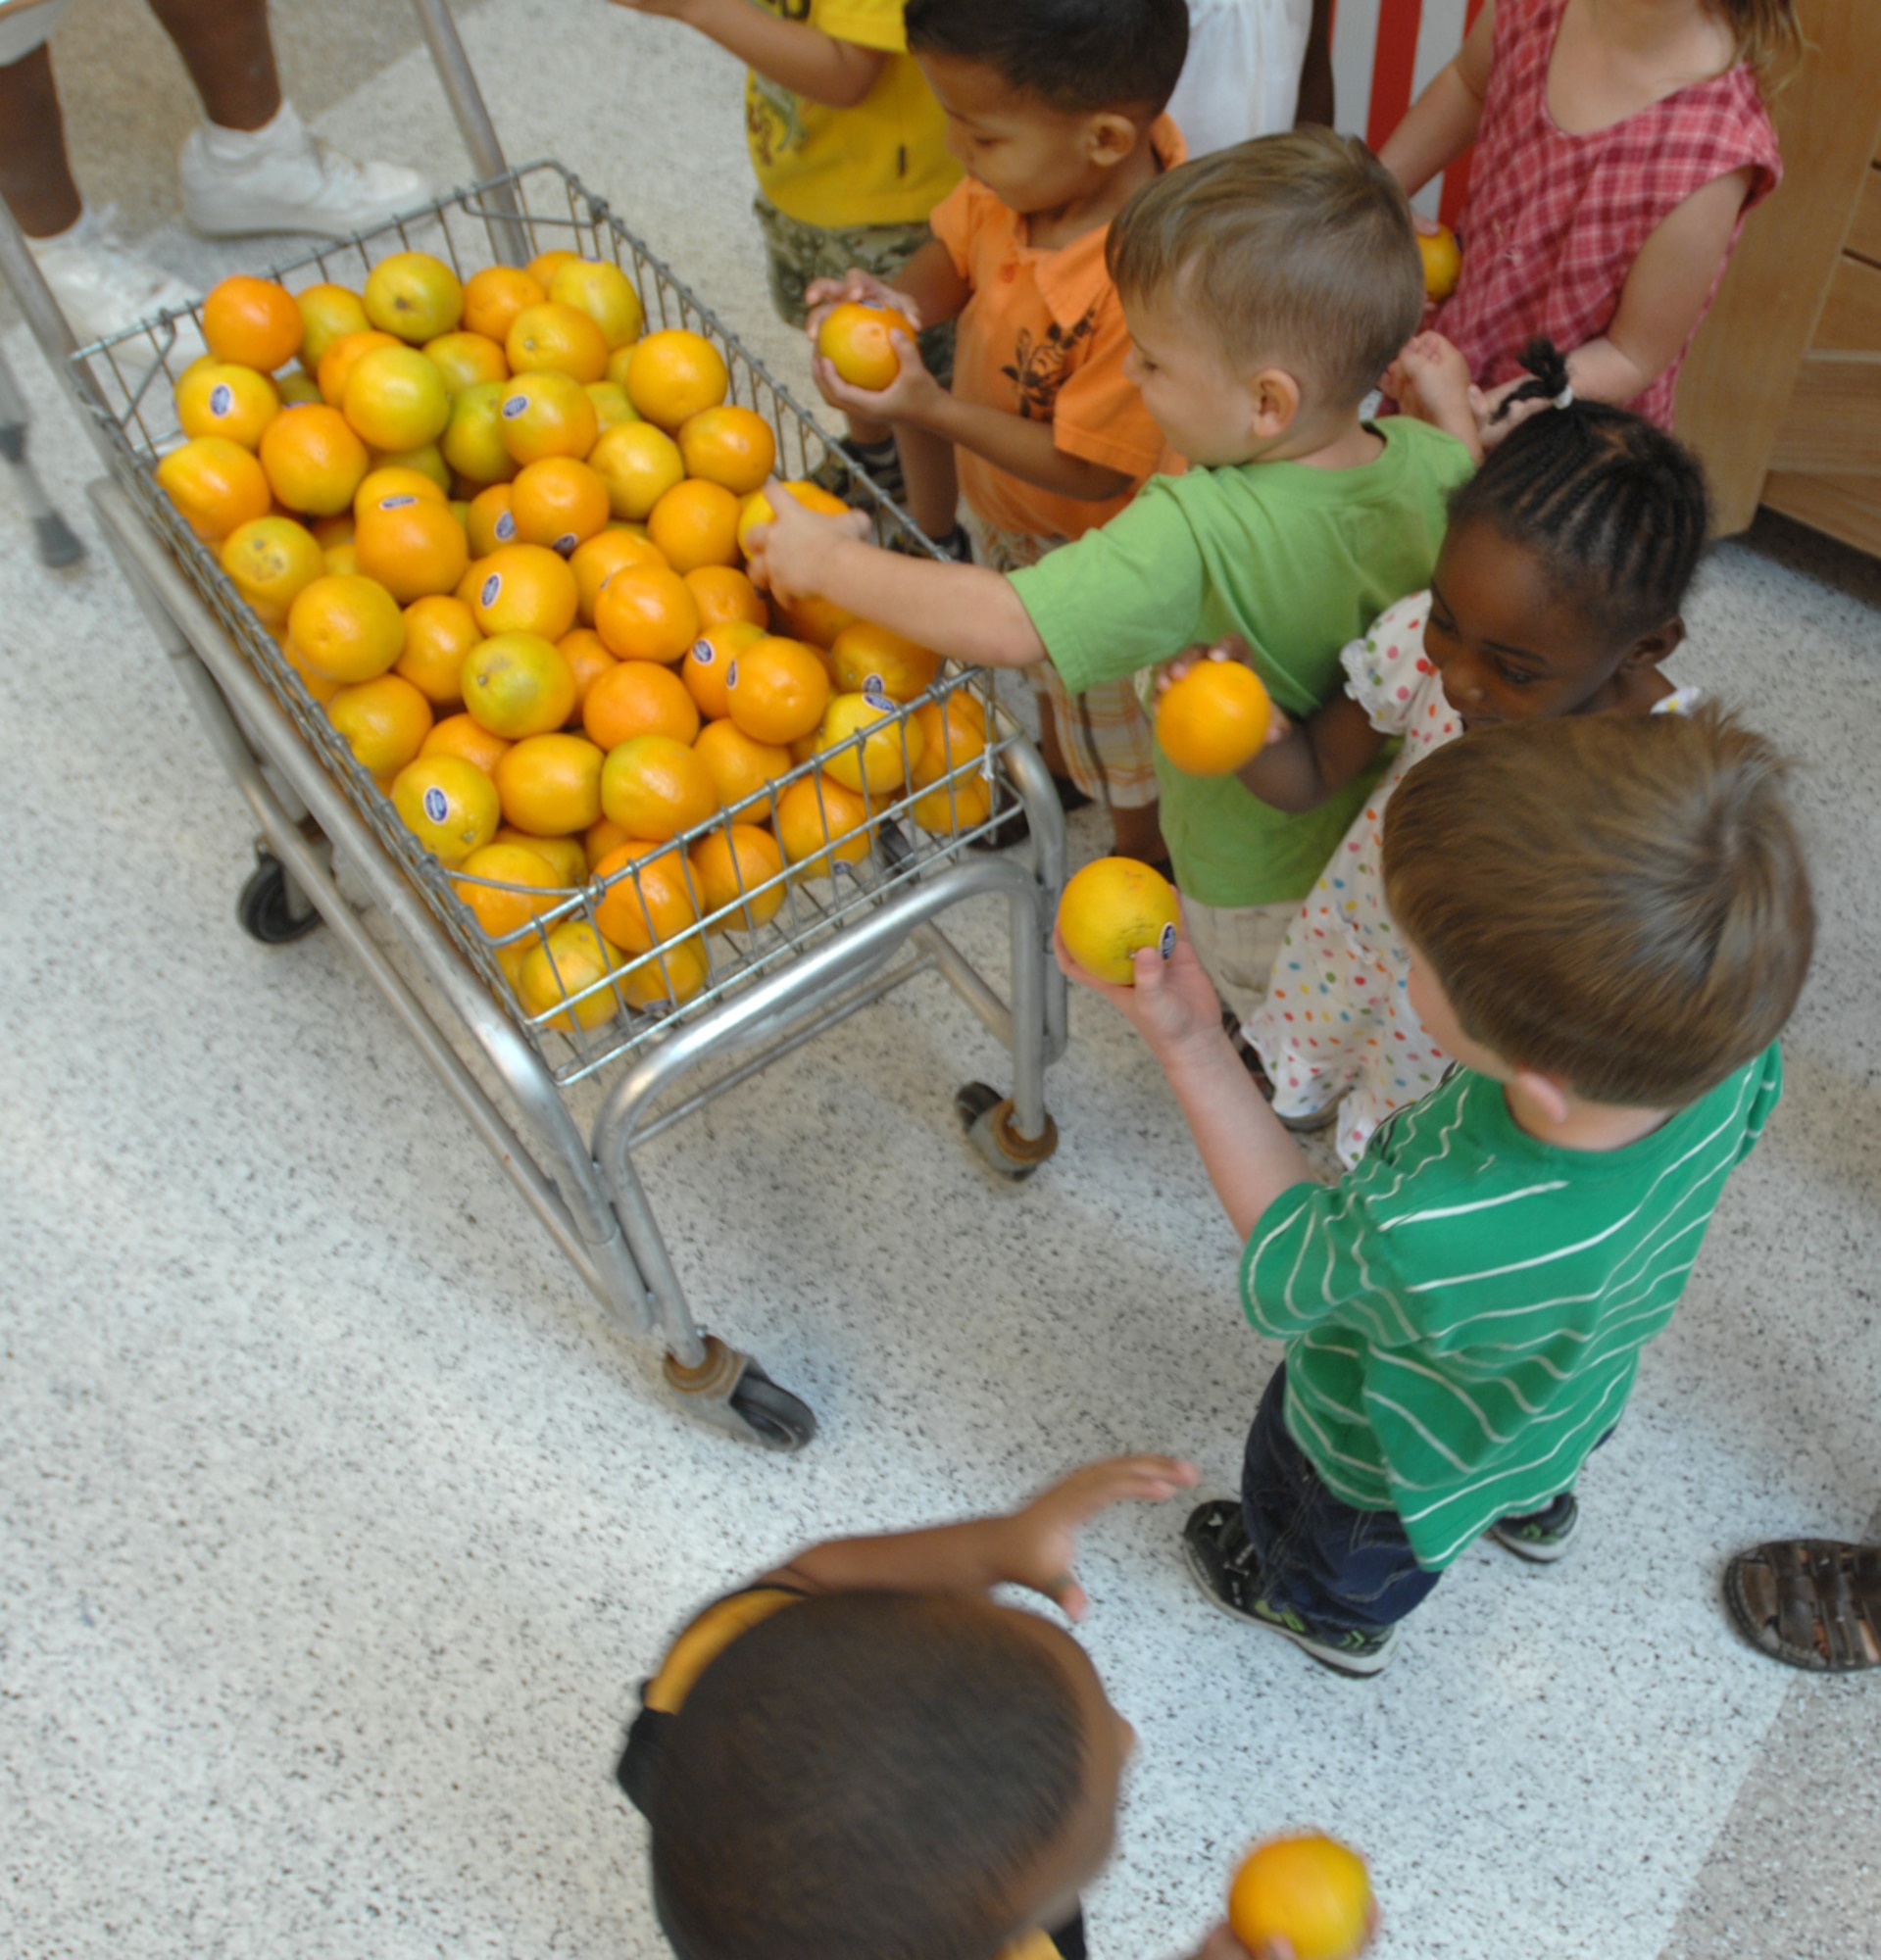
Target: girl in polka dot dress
x=1558, y=591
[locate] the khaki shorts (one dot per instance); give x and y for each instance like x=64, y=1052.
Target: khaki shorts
x=26, y=24
x=1237, y=945
x=796, y=253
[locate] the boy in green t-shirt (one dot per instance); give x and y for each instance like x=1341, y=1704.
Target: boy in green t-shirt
x=1265, y=289
x=1608, y=921
x=849, y=147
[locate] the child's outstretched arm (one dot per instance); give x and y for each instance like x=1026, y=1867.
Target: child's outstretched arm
x=1249, y=1158
x=1441, y=124
x=1033, y=1547
x=791, y=53
x=965, y=612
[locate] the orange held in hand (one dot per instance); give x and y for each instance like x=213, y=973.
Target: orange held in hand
x=1109, y=911
x=1214, y=720
x=756, y=508
x=1443, y=263
x=854, y=339
x=1309, y=1891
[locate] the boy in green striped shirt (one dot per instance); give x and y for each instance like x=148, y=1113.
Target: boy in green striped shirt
x=1610, y=922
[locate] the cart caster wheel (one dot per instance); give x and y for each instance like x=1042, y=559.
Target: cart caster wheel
x=987, y=1118
x=263, y=907
x=776, y=1419
x=727, y=1390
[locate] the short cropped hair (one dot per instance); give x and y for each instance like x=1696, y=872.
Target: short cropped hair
x=864, y=1777
x=1075, y=55
x=1620, y=902
x=1295, y=248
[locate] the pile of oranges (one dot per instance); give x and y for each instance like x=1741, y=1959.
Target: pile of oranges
x=496, y=528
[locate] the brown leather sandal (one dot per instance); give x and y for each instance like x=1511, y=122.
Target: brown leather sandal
x=1813, y=1602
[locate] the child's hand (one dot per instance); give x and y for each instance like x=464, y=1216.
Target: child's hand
x=788, y=557
x=1173, y=1003
x=855, y=289
x=908, y=398
x=1496, y=416
x=1039, y=1542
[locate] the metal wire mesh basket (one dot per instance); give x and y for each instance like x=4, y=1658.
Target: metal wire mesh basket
x=854, y=851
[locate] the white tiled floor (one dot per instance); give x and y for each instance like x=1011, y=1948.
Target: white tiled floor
x=338, y=1524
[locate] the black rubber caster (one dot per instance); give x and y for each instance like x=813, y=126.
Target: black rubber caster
x=776, y=1419
x=987, y=1118
x=263, y=907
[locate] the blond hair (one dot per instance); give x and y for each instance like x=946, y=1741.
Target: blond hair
x=1768, y=35
x=1295, y=248
x=1620, y=902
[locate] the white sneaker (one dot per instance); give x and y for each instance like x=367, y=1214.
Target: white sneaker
x=283, y=178
x=103, y=286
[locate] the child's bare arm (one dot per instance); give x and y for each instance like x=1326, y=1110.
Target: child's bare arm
x=1430, y=381
x=791, y=53
x=1033, y=1547
x=965, y=612
x=1441, y=124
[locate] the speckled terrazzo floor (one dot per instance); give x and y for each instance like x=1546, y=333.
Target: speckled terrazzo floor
x=338, y=1523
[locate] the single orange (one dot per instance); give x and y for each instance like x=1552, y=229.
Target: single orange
x=1113, y=909
x=543, y=268
x=462, y=736
x=414, y=296
x=559, y=337
x=638, y=698
x=472, y=583
x=646, y=613
x=709, y=661
x=347, y=627
x=424, y=460
x=1309, y=1891
x=674, y=375
x=316, y=684
x=343, y=352
x=854, y=339
x=525, y=589
x=294, y=386
x=395, y=399
x=565, y=857
x=313, y=461
x=219, y=398
x=573, y=964
x=342, y=560
x=326, y=312
x=518, y=684
x=870, y=660
x=777, y=690
x=384, y=721
x=611, y=404
x=618, y=370
x=450, y=805
x=596, y=560
x=962, y=803
x=337, y=529
x=491, y=521
x=656, y=787
x=867, y=743
x=820, y=824
x=729, y=446
x=725, y=595
x=551, y=784
x=588, y=659
x=253, y=322
x=952, y=737
x=639, y=463
x=270, y=561
x=519, y=888
x=602, y=837
x=605, y=294
x=472, y=441
x=650, y=900
x=559, y=502
x=731, y=868
x=439, y=633
x=1443, y=263
x=740, y=767
x=547, y=414
x=818, y=621
x=493, y=297
x=696, y=523
x=756, y=508
x=217, y=485
x=466, y=359
x=412, y=545
x=669, y=976
x=1214, y=720
x=391, y=486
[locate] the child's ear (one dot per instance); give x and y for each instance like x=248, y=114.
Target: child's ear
x=1111, y=138
x=1543, y=1092
x=1274, y=403
x=1649, y=648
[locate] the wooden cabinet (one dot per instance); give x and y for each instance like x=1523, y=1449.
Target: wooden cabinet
x=1781, y=394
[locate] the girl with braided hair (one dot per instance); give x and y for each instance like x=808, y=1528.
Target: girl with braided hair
x=1558, y=591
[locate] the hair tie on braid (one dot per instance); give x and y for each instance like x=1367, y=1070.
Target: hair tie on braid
x=1565, y=399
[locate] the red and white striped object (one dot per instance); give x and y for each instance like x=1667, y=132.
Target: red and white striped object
x=1384, y=54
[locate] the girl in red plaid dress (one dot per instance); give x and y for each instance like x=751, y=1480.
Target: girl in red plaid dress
x=1620, y=145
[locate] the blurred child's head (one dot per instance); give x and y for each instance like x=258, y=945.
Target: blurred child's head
x=871, y=1775
x=1617, y=903
x=1268, y=287
x=1765, y=34
x=1566, y=562
x=1044, y=98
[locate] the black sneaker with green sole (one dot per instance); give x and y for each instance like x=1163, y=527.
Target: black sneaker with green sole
x=1544, y=1536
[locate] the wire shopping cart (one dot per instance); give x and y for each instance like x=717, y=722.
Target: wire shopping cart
x=784, y=956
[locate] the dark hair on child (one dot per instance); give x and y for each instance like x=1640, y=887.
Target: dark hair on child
x=865, y=1776
x=1074, y=55
x=1295, y=248
x=1614, y=508
x=1620, y=901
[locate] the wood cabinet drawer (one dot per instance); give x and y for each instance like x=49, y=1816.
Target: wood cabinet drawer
x=1833, y=423
x=1864, y=233
x=1851, y=321
x=1848, y=508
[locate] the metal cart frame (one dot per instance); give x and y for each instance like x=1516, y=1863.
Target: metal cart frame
x=585, y=1190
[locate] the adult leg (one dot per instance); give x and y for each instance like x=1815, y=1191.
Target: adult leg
x=229, y=54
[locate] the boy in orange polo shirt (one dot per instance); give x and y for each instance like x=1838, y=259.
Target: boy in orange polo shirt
x=1055, y=109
